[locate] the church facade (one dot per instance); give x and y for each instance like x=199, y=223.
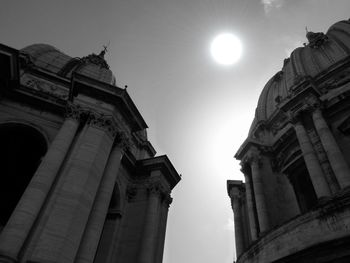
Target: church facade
x=294, y=205
x=80, y=180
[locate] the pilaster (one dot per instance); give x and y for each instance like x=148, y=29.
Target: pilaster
x=250, y=204
x=236, y=196
x=149, y=237
x=260, y=201
x=63, y=230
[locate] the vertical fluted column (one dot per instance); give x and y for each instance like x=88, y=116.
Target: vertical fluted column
x=260, y=201
x=150, y=231
x=98, y=214
x=22, y=219
x=250, y=207
x=64, y=227
x=312, y=164
x=166, y=201
x=335, y=156
x=237, y=215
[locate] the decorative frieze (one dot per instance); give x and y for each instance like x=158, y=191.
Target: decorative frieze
x=44, y=88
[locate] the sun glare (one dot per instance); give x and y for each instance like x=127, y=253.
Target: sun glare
x=226, y=49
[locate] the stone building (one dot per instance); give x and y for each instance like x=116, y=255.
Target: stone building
x=80, y=181
x=294, y=205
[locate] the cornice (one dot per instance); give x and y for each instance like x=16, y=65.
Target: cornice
x=110, y=94
x=163, y=164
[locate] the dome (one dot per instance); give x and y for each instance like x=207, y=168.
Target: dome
x=53, y=60
x=322, y=52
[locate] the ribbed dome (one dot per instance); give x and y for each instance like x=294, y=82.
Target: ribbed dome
x=51, y=59
x=322, y=52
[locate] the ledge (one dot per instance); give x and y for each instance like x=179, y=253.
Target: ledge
x=329, y=221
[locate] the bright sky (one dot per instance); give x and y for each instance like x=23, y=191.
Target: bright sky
x=198, y=112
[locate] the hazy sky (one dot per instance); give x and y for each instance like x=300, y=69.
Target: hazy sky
x=198, y=112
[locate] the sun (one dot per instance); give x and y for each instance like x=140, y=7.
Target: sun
x=226, y=49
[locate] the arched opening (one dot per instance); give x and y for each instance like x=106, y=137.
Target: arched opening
x=21, y=150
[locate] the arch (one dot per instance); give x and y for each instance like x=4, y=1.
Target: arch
x=21, y=151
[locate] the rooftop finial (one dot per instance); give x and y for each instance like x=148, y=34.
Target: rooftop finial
x=104, y=51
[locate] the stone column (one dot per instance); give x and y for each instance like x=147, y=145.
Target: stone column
x=237, y=213
x=90, y=241
x=22, y=219
x=335, y=156
x=63, y=230
x=313, y=166
x=166, y=201
x=250, y=207
x=260, y=202
x=150, y=231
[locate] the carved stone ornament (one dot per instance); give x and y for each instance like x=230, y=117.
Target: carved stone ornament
x=316, y=40
x=104, y=122
x=122, y=140
x=73, y=111
x=312, y=103
x=167, y=199
x=294, y=117
x=155, y=189
x=278, y=76
x=45, y=88
x=96, y=59
x=278, y=124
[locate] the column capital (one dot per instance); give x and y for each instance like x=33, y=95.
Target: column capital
x=73, y=111
x=155, y=189
x=102, y=121
x=294, y=117
x=253, y=157
x=122, y=140
x=309, y=105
